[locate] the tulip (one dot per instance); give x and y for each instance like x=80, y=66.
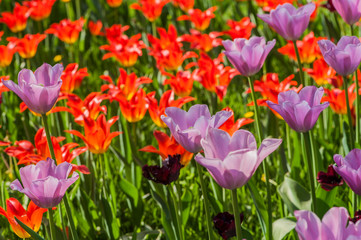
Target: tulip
x=28, y=45
x=200, y=19
x=288, y=21
x=335, y=225
x=330, y=179
x=233, y=160
x=188, y=128
x=349, y=169
x=225, y=224
x=39, y=90
x=45, y=183
x=300, y=111
x=356, y=218
x=345, y=57
x=248, y=56
x=350, y=10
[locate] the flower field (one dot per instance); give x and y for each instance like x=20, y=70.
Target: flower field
x=180, y=119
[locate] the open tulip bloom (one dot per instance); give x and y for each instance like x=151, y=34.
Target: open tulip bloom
x=350, y=10
x=335, y=225
x=248, y=56
x=288, y=21
x=345, y=57
x=300, y=110
x=45, y=183
x=39, y=90
x=188, y=128
x=233, y=160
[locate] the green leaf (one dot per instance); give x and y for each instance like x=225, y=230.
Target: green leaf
x=29, y=230
x=281, y=227
x=186, y=205
x=129, y=189
x=294, y=195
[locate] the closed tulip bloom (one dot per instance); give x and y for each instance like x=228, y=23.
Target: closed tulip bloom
x=301, y=110
x=45, y=183
x=39, y=90
x=188, y=128
x=232, y=161
x=335, y=225
x=248, y=56
x=349, y=168
x=350, y=10
x=288, y=21
x=345, y=57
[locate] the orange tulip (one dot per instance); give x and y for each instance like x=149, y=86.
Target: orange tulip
x=31, y=217
x=230, y=126
x=151, y=9
x=336, y=98
x=200, y=20
x=115, y=33
x=322, y=73
x=213, y=75
x=1, y=34
x=168, y=146
x=72, y=77
x=28, y=45
x=135, y=108
x=166, y=100
x=268, y=5
x=185, y=5
x=127, y=85
x=67, y=31
x=97, y=135
x=114, y=3
x=240, y=29
x=16, y=21
x=204, y=42
x=2, y=87
x=95, y=28
x=308, y=49
x=40, y=9
x=181, y=83
x=6, y=54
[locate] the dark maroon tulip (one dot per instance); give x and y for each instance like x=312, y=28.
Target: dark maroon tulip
x=166, y=174
x=330, y=179
x=356, y=217
x=225, y=225
x=329, y=6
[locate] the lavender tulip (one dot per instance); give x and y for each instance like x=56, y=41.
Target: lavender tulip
x=248, y=56
x=350, y=10
x=45, y=183
x=345, y=57
x=188, y=128
x=335, y=225
x=288, y=21
x=349, y=168
x=39, y=90
x=300, y=111
x=233, y=160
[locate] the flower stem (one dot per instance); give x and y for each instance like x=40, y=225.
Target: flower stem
x=299, y=63
x=264, y=165
x=236, y=214
x=65, y=198
x=307, y=154
x=357, y=102
x=206, y=203
x=352, y=140
x=51, y=223
x=177, y=212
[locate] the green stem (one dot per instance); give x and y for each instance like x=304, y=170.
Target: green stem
x=289, y=154
x=236, y=214
x=299, y=63
x=345, y=86
x=308, y=156
x=48, y=136
x=28, y=64
x=264, y=165
x=51, y=223
x=355, y=202
x=74, y=234
x=206, y=203
x=177, y=212
x=357, y=102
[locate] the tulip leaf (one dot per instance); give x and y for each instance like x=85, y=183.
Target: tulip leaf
x=281, y=227
x=29, y=230
x=129, y=189
x=186, y=206
x=294, y=195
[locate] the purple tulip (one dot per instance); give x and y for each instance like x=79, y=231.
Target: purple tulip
x=188, y=128
x=45, y=183
x=233, y=160
x=39, y=90
x=345, y=57
x=300, y=111
x=349, y=168
x=288, y=21
x=248, y=56
x=350, y=10
x=335, y=225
